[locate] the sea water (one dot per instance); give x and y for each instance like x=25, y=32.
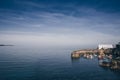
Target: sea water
x=35, y=63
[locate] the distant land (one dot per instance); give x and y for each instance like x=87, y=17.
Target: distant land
x=6, y=45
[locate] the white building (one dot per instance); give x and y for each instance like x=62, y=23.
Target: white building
x=105, y=46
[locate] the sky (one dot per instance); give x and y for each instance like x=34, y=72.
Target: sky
x=55, y=23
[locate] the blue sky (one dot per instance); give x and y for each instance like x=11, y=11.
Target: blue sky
x=59, y=22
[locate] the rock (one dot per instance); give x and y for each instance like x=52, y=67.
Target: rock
x=75, y=55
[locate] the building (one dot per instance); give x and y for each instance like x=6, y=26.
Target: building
x=105, y=46
x=118, y=46
x=116, y=50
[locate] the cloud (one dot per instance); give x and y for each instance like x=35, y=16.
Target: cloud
x=59, y=29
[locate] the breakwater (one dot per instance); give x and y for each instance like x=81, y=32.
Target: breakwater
x=78, y=53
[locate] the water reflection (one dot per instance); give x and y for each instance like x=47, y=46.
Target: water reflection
x=105, y=61
x=75, y=59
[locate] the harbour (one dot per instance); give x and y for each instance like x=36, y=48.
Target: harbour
x=108, y=56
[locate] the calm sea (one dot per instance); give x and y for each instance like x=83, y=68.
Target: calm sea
x=35, y=63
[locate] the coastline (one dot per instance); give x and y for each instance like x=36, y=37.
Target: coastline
x=5, y=45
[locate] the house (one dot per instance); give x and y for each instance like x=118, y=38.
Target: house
x=105, y=46
x=118, y=46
